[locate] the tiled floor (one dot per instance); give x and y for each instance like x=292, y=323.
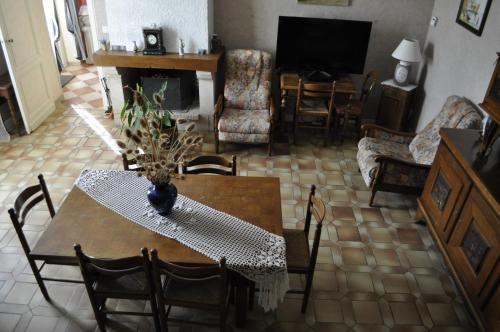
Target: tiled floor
x=376, y=271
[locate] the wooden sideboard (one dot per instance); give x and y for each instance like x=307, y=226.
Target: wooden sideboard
x=460, y=203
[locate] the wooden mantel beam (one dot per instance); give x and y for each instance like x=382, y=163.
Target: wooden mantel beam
x=197, y=62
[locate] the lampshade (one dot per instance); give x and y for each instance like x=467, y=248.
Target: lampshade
x=408, y=50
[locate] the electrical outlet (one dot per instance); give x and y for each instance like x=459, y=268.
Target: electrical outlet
x=434, y=21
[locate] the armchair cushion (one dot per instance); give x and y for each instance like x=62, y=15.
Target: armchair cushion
x=244, y=121
x=457, y=112
x=248, y=79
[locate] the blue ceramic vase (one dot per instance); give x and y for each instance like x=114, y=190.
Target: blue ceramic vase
x=162, y=197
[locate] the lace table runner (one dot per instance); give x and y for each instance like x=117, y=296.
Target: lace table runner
x=249, y=250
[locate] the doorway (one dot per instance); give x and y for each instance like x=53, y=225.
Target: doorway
x=70, y=35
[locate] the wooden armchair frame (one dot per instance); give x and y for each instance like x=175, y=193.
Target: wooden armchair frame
x=385, y=161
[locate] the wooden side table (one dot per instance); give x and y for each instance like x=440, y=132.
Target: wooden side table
x=7, y=92
x=395, y=105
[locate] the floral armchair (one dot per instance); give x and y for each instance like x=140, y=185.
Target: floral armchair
x=245, y=112
x=399, y=162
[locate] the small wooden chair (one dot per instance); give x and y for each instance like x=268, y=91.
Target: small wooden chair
x=199, y=287
x=24, y=202
x=314, y=100
x=354, y=109
x=210, y=165
x=130, y=164
x=298, y=257
x=124, y=278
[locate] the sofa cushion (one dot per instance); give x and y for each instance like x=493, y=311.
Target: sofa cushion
x=457, y=112
x=244, y=121
x=248, y=79
x=369, y=148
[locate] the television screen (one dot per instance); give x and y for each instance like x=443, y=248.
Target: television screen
x=314, y=44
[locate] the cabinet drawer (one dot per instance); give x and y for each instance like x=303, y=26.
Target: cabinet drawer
x=474, y=248
x=444, y=193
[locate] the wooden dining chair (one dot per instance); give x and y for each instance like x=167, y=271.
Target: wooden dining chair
x=210, y=165
x=198, y=287
x=123, y=278
x=23, y=204
x=130, y=164
x=354, y=109
x=314, y=100
x=299, y=258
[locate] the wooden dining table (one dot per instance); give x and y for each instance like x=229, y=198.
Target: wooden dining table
x=103, y=233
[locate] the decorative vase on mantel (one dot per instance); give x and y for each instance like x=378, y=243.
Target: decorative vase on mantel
x=162, y=197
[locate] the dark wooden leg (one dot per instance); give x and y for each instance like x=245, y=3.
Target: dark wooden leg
x=39, y=279
x=374, y=191
x=307, y=292
x=241, y=301
x=216, y=142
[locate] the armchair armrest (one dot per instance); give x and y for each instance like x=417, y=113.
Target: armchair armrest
x=376, y=131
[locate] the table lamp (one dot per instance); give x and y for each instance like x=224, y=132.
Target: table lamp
x=407, y=52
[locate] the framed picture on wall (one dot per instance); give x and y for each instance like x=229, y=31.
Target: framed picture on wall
x=472, y=15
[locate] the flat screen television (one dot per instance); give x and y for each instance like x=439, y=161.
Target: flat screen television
x=311, y=45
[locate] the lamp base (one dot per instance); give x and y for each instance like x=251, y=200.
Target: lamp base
x=402, y=73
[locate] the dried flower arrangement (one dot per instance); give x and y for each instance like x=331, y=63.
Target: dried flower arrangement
x=158, y=152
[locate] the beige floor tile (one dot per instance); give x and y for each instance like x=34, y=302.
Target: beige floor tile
x=367, y=312
x=405, y=313
x=443, y=314
x=395, y=283
x=359, y=282
x=328, y=311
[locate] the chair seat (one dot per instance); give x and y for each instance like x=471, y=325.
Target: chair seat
x=134, y=283
x=369, y=148
x=297, y=249
x=244, y=121
x=355, y=109
x=314, y=107
x=202, y=292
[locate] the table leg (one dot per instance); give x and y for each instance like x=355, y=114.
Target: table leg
x=241, y=301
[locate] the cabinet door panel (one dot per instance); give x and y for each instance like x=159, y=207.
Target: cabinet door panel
x=444, y=192
x=474, y=248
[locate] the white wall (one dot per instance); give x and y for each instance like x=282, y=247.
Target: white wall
x=458, y=61
x=254, y=24
x=186, y=19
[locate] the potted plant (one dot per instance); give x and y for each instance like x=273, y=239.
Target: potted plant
x=158, y=152
x=141, y=106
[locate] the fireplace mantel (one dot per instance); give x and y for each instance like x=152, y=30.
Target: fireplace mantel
x=113, y=66
x=196, y=62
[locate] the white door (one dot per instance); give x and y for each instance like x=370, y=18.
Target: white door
x=33, y=71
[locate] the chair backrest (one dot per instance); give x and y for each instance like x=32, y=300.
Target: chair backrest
x=24, y=202
x=248, y=80
x=130, y=164
x=210, y=165
x=369, y=83
x=188, y=274
x=310, y=90
x=457, y=112
x=316, y=208
x=96, y=268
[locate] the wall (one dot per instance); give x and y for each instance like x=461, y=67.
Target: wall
x=188, y=20
x=254, y=24
x=457, y=61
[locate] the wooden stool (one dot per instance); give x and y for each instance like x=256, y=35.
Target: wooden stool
x=7, y=92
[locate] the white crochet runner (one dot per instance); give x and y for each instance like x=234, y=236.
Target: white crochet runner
x=249, y=250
